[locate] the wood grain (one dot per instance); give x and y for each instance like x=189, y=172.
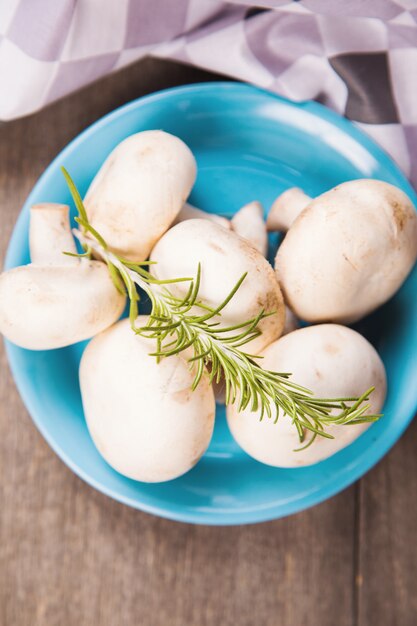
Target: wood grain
x=69, y=556
x=387, y=572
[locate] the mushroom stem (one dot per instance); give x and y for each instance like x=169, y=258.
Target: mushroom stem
x=50, y=235
x=286, y=208
x=190, y=212
x=249, y=224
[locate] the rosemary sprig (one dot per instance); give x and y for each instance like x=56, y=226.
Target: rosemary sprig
x=187, y=324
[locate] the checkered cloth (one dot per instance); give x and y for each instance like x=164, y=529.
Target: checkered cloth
x=359, y=57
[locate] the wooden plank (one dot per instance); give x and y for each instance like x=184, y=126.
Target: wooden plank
x=387, y=568
x=71, y=556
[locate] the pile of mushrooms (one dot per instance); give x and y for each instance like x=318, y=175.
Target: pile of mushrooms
x=343, y=255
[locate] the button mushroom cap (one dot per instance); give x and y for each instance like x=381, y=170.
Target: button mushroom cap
x=348, y=252
x=330, y=360
x=139, y=190
x=224, y=258
x=142, y=415
x=57, y=300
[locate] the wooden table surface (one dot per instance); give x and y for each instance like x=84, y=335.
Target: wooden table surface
x=70, y=556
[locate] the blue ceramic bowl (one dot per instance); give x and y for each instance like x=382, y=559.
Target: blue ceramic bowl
x=249, y=145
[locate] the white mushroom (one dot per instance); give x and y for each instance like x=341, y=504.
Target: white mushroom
x=142, y=415
x=332, y=361
x=139, y=191
x=286, y=208
x=190, y=212
x=224, y=258
x=348, y=252
x=57, y=300
x=249, y=223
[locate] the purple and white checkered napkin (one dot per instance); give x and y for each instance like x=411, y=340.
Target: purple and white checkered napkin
x=359, y=57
